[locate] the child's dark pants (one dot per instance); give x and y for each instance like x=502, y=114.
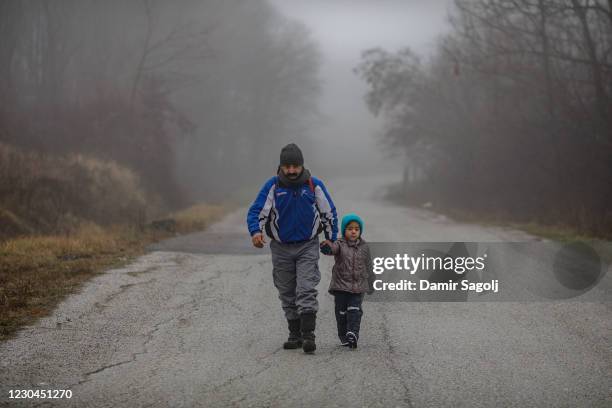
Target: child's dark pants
x=348, y=312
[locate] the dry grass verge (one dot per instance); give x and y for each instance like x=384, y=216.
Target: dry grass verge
x=37, y=272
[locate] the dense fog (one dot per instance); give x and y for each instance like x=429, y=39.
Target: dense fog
x=107, y=107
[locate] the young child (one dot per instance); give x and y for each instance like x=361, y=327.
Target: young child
x=352, y=276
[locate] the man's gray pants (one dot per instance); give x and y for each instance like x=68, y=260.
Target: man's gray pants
x=295, y=270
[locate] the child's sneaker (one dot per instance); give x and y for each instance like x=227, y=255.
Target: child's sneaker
x=343, y=341
x=351, y=338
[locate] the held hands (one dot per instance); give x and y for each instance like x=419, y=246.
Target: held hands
x=326, y=247
x=258, y=240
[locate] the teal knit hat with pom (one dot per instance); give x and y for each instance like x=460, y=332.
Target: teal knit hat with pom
x=347, y=219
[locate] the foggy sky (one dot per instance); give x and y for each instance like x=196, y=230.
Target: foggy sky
x=343, y=29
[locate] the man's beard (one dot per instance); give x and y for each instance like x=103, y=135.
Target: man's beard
x=292, y=179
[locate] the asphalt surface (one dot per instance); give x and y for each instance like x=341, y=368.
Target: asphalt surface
x=196, y=322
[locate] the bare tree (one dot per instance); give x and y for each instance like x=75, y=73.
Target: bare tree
x=515, y=109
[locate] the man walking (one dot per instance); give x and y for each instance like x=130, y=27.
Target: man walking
x=292, y=208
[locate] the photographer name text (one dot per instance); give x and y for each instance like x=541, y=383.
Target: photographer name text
x=422, y=263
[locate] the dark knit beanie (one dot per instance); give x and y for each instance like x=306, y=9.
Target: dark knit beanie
x=291, y=154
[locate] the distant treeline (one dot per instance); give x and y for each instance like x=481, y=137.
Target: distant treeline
x=511, y=116
x=185, y=96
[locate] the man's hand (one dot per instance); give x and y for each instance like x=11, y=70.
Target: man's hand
x=258, y=240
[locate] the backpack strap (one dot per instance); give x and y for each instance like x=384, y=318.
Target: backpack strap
x=311, y=184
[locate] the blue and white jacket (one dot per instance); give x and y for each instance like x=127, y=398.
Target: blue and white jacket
x=293, y=214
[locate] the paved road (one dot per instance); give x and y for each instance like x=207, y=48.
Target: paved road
x=196, y=322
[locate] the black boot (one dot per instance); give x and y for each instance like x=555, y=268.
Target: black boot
x=353, y=323
x=308, y=322
x=295, y=335
x=351, y=340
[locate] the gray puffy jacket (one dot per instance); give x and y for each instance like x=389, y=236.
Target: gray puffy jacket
x=352, y=271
